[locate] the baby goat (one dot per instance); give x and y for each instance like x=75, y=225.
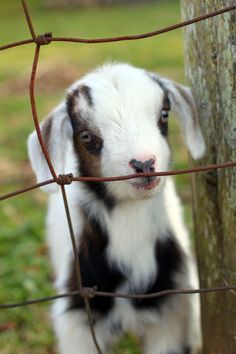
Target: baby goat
x=130, y=234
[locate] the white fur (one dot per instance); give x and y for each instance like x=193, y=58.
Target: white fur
x=126, y=107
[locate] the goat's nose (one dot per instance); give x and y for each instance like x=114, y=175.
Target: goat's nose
x=142, y=167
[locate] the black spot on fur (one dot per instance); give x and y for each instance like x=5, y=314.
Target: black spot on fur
x=169, y=260
x=98, y=188
x=95, y=270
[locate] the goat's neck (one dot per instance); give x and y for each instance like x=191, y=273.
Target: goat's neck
x=138, y=219
x=133, y=230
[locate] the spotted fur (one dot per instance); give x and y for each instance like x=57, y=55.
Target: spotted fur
x=130, y=234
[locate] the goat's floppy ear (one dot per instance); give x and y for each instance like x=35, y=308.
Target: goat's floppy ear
x=183, y=104
x=56, y=132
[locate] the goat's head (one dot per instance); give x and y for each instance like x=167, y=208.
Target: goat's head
x=116, y=119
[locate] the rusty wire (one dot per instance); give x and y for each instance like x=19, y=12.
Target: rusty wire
x=119, y=38
x=92, y=292
x=119, y=178
x=62, y=180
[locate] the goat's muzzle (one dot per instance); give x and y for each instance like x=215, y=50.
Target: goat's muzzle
x=144, y=183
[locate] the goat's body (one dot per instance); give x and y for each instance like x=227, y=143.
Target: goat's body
x=130, y=234
x=133, y=229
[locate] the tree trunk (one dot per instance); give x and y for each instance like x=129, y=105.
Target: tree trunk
x=210, y=62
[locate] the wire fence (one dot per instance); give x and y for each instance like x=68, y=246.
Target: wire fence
x=62, y=180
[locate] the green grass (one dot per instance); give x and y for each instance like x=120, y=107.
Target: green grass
x=25, y=270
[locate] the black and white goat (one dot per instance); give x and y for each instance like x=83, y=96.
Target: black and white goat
x=130, y=234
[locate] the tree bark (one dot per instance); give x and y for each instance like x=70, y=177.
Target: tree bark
x=210, y=62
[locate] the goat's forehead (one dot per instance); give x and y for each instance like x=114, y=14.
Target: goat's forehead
x=123, y=93
x=122, y=83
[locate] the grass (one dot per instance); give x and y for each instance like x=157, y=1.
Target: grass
x=25, y=271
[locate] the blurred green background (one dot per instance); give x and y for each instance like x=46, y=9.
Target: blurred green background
x=24, y=265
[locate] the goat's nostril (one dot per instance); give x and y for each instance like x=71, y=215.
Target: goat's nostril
x=149, y=165
x=140, y=167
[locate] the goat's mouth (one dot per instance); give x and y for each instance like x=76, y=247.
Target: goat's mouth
x=146, y=183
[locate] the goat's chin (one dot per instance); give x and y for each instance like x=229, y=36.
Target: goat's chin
x=137, y=189
x=147, y=190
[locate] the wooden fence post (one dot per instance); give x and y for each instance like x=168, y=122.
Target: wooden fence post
x=210, y=62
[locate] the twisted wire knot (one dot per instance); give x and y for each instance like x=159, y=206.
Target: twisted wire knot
x=88, y=293
x=44, y=39
x=65, y=179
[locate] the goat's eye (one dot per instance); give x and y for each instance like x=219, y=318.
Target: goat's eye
x=86, y=137
x=164, y=115
x=163, y=121
x=91, y=142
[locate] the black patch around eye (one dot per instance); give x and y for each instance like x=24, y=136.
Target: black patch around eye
x=72, y=103
x=163, y=120
x=86, y=91
x=166, y=106
x=166, y=103
x=71, y=107
x=87, y=165
x=94, y=146
x=163, y=126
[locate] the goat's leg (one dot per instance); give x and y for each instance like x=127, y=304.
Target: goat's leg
x=74, y=335
x=176, y=330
